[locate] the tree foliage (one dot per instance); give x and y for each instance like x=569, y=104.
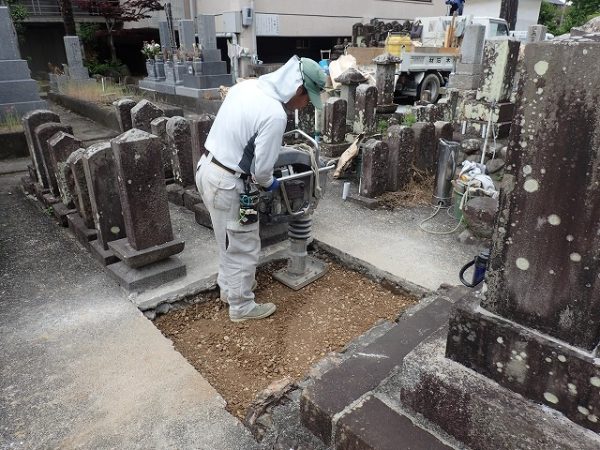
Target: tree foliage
x=561, y=21
x=116, y=12
x=18, y=14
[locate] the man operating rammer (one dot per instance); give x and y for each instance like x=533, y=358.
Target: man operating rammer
x=243, y=146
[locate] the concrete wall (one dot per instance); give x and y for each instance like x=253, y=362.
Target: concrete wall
x=527, y=14
x=312, y=17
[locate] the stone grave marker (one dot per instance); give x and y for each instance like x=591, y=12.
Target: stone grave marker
x=123, y=109
x=31, y=121
x=334, y=134
x=365, y=109
x=101, y=177
x=143, y=114
x=401, y=144
x=42, y=134
x=374, y=171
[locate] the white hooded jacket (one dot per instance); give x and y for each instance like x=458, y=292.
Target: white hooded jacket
x=250, y=124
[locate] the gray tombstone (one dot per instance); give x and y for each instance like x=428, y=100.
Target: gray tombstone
x=164, y=35
x=61, y=145
x=75, y=58
x=18, y=92
x=350, y=80
x=385, y=78
x=365, y=109
x=31, y=121
x=200, y=129
x=143, y=114
x=42, y=134
x=187, y=35
x=169, y=72
x=499, y=69
x=334, y=133
x=101, y=178
x=536, y=33
x=207, y=36
x=374, y=169
x=425, y=154
x=159, y=128
x=306, y=119
x=144, y=201
x=401, y=144
x=536, y=330
x=123, y=109
x=471, y=49
x=82, y=203
x=179, y=136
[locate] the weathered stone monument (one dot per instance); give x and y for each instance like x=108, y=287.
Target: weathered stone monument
x=143, y=114
x=31, y=120
x=385, y=81
x=101, y=177
x=61, y=146
x=401, y=145
x=467, y=75
x=365, y=109
x=374, y=169
x=334, y=134
x=536, y=330
x=42, y=134
x=158, y=128
x=179, y=142
x=18, y=92
x=77, y=70
x=123, y=109
x=81, y=223
x=425, y=154
x=187, y=35
x=146, y=253
x=349, y=81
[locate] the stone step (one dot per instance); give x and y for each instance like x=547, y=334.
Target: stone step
x=326, y=398
x=375, y=426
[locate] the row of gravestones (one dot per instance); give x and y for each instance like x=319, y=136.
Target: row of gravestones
x=182, y=146
x=111, y=195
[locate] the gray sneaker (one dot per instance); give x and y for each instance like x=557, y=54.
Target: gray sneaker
x=223, y=297
x=260, y=311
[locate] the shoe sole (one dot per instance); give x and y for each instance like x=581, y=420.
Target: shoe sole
x=262, y=316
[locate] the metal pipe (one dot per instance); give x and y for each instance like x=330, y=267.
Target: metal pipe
x=304, y=174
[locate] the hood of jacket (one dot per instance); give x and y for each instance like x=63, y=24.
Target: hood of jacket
x=284, y=82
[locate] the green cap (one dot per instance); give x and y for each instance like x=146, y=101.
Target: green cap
x=314, y=80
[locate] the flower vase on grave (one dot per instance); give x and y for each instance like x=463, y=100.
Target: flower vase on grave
x=151, y=68
x=197, y=66
x=160, y=67
x=189, y=67
x=180, y=70
x=169, y=72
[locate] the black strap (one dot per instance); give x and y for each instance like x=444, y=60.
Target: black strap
x=243, y=176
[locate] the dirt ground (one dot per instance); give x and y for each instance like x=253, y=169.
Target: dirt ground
x=242, y=359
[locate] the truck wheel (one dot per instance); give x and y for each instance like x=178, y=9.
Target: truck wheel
x=430, y=83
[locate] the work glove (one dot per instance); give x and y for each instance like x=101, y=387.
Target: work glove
x=274, y=185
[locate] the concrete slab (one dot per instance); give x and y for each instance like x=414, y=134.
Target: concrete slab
x=143, y=278
x=86, y=130
x=392, y=240
x=80, y=366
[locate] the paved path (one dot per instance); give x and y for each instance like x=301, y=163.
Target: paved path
x=80, y=366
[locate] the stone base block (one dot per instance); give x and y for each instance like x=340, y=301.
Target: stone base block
x=61, y=212
x=147, y=277
x=190, y=197
x=210, y=68
x=28, y=184
x=464, y=81
x=477, y=411
x=175, y=193
x=105, y=257
x=371, y=203
x=207, y=81
x=527, y=362
x=49, y=200
x=139, y=258
x=158, y=86
x=205, y=94
x=334, y=150
x=480, y=111
x=83, y=234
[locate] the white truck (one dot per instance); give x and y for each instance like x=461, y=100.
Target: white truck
x=427, y=66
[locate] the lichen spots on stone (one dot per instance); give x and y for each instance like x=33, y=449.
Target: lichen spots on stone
x=541, y=67
x=585, y=51
x=562, y=358
x=527, y=170
x=592, y=418
x=572, y=388
x=583, y=410
x=554, y=220
x=551, y=398
x=115, y=230
x=575, y=257
x=570, y=238
x=531, y=185
x=522, y=263
x=500, y=340
x=595, y=381
x=548, y=360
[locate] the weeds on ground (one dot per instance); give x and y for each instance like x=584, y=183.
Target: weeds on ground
x=10, y=121
x=409, y=120
x=99, y=92
x=418, y=193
